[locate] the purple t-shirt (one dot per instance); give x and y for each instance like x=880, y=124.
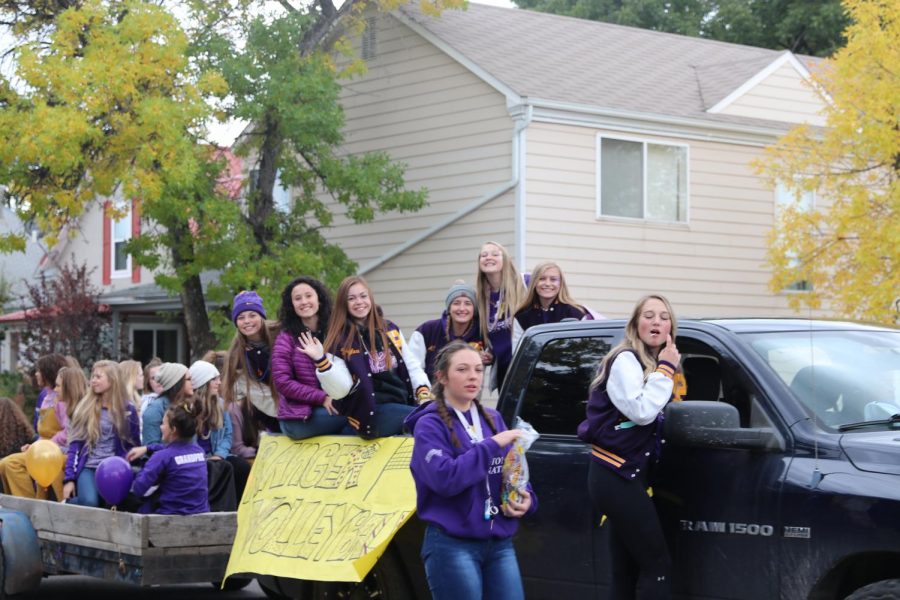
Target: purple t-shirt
x=106, y=445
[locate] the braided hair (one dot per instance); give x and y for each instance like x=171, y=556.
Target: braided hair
x=441, y=365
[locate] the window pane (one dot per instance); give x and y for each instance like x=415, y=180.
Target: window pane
x=122, y=228
x=558, y=390
x=786, y=197
x=121, y=257
x=621, y=179
x=142, y=345
x=167, y=345
x=666, y=183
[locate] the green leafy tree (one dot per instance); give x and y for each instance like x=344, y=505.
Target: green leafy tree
x=811, y=27
x=105, y=104
x=109, y=99
x=848, y=246
x=283, y=78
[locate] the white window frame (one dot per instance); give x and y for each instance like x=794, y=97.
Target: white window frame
x=782, y=193
x=113, y=240
x=644, y=142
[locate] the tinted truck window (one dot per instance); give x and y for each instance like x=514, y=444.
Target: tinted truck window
x=557, y=392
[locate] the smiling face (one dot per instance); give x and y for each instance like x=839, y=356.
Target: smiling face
x=305, y=301
x=358, y=303
x=654, y=324
x=547, y=286
x=463, y=377
x=491, y=259
x=250, y=324
x=462, y=310
x=214, y=384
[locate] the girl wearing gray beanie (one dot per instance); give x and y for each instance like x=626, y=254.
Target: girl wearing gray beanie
x=459, y=321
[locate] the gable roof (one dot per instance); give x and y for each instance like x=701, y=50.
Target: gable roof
x=581, y=62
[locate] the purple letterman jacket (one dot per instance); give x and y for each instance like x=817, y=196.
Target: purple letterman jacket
x=618, y=443
x=359, y=404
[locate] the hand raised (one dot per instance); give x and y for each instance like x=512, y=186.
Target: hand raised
x=310, y=345
x=670, y=353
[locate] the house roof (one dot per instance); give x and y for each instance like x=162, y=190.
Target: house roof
x=576, y=61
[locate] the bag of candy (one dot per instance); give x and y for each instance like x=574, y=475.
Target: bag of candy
x=515, y=467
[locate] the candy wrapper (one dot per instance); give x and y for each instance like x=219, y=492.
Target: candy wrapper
x=515, y=467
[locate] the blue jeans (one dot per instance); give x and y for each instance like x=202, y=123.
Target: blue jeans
x=86, y=489
x=465, y=569
x=318, y=423
x=388, y=418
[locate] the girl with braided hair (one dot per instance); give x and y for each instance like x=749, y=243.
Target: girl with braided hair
x=457, y=468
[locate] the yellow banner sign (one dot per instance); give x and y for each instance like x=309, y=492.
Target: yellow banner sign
x=322, y=509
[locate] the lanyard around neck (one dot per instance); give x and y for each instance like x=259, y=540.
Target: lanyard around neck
x=474, y=430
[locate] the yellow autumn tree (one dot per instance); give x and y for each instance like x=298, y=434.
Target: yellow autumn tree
x=847, y=247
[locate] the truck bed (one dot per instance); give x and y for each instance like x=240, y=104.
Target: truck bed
x=117, y=546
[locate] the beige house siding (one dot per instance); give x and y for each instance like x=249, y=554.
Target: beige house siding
x=713, y=265
x=782, y=96
x=453, y=133
x=86, y=246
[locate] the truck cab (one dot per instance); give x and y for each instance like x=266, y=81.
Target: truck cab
x=779, y=477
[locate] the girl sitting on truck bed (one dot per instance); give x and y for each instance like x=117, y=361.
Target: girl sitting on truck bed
x=174, y=479
x=105, y=423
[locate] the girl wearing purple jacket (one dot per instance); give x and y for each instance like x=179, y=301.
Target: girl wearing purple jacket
x=105, y=423
x=304, y=409
x=634, y=383
x=457, y=467
x=174, y=480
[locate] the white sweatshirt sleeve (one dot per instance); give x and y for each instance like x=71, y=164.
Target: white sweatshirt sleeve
x=517, y=332
x=639, y=400
x=336, y=380
x=417, y=376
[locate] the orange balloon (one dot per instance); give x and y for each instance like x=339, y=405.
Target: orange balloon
x=44, y=461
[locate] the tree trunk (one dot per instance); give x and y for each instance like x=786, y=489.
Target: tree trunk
x=193, y=302
x=196, y=319
x=262, y=201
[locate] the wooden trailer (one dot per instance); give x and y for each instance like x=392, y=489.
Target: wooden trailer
x=117, y=546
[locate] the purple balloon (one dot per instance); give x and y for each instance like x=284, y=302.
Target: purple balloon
x=114, y=477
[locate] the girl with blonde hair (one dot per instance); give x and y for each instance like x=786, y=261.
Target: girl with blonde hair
x=634, y=383
x=499, y=290
x=52, y=422
x=547, y=301
x=105, y=423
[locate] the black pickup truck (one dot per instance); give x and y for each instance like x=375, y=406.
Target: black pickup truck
x=780, y=476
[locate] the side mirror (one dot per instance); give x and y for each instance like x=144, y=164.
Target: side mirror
x=703, y=424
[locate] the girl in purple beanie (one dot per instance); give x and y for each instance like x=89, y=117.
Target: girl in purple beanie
x=248, y=386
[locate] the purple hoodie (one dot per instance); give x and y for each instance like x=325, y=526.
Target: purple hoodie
x=450, y=481
x=179, y=470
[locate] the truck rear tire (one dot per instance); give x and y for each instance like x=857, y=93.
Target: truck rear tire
x=386, y=581
x=888, y=589
x=232, y=584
